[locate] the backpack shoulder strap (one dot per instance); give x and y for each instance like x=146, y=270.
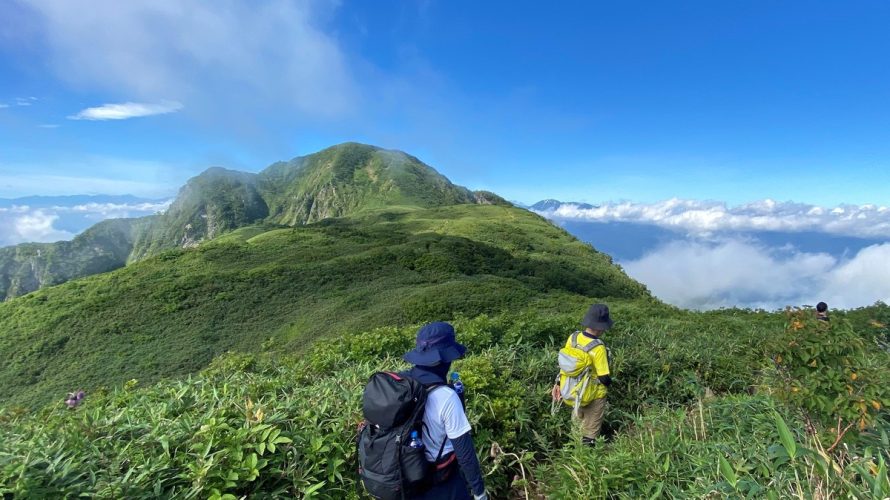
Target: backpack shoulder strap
x=574, y=339
x=591, y=345
x=432, y=387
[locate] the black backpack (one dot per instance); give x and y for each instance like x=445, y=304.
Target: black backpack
x=393, y=406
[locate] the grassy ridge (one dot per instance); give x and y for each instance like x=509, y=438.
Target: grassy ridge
x=342, y=180
x=172, y=314
x=697, y=411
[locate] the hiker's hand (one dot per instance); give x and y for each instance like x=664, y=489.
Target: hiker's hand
x=554, y=393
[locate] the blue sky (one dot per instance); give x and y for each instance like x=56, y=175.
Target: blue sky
x=586, y=101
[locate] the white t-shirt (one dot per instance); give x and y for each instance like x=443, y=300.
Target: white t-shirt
x=443, y=416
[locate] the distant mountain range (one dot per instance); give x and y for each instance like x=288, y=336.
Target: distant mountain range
x=73, y=200
x=551, y=205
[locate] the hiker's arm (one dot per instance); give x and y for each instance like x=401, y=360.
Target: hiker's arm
x=457, y=428
x=554, y=392
x=601, y=365
x=469, y=463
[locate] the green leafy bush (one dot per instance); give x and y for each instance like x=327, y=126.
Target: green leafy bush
x=830, y=370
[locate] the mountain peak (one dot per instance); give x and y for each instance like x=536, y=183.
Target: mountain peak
x=352, y=177
x=337, y=181
x=352, y=145
x=216, y=172
x=550, y=205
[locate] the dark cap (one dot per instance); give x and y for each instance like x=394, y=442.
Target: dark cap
x=597, y=317
x=435, y=344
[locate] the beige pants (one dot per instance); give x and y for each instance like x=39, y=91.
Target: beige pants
x=591, y=418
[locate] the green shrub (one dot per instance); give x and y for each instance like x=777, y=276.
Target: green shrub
x=837, y=374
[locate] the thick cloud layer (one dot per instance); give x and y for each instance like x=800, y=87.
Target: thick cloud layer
x=766, y=254
x=736, y=272
x=28, y=223
x=705, y=217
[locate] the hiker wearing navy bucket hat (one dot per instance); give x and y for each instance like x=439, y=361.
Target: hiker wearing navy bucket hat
x=583, y=378
x=444, y=419
x=436, y=345
x=416, y=435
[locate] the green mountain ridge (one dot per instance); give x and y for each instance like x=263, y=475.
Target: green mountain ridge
x=170, y=314
x=335, y=182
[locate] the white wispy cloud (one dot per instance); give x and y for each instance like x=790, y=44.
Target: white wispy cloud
x=126, y=110
x=21, y=223
x=3, y=105
x=25, y=101
x=273, y=54
x=116, y=210
x=703, y=217
x=49, y=125
x=699, y=275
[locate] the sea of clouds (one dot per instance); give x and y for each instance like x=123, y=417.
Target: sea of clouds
x=705, y=217
x=715, y=258
x=21, y=223
x=739, y=273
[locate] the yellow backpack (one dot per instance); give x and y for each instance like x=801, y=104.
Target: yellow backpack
x=575, y=367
